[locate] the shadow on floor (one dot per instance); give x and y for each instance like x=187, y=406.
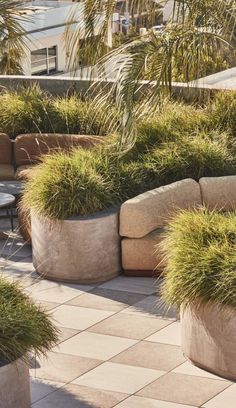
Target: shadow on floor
x=46, y=394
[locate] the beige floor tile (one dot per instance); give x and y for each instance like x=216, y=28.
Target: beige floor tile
x=19, y=268
x=79, y=318
x=48, y=306
x=105, y=299
x=118, y=378
x=190, y=369
x=93, y=345
x=62, y=367
x=152, y=306
x=168, y=335
x=144, y=286
x=135, y=327
x=226, y=399
x=74, y=396
x=151, y=355
x=55, y=292
x=40, y=388
x=24, y=279
x=140, y=402
x=66, y=334
x=183, y=389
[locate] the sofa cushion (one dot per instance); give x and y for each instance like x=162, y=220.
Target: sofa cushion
x=7, y=172
x=219, y=192
x=143, y=214
x=29, y=147
x=6, y=153
x=22, y=172
x=142, y=254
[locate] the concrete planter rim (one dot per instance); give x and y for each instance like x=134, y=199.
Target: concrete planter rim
x=14, y=362
x=99, y=214
x=208, y=303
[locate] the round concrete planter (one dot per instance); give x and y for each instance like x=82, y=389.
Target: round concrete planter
x=14, y=385
x=79, y=249
x=209, y=336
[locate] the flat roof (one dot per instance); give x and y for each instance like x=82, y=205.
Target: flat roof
x=221, y=80
x=44, y=15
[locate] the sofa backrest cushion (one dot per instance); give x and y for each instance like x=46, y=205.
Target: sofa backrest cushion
x=6, y=151
x=29, y=147
x=143, y=214
x=219, y=192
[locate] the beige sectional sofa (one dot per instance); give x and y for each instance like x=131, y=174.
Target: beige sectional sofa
x=28, y=148
x=21, y=154
x=143, y=218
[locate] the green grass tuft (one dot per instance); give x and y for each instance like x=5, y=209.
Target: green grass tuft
x=200, y=248
x=222, y=111
x=191, y=157
x=70, y=184
x=24, y=326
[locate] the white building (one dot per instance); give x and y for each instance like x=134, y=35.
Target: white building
x=45, y=27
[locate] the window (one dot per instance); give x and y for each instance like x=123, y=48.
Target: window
x=44, y=61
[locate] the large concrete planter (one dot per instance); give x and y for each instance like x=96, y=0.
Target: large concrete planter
x=79, y=249
x=14, y=385
x=209, y=338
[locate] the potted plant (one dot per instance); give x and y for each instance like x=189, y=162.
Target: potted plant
x=24, y=328
x=74, y=219
x=200, y=280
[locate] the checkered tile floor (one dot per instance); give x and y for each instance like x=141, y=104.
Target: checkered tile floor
x=117, y=347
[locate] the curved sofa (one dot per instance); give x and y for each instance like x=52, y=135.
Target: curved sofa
x=143, y=218
x=20, y=154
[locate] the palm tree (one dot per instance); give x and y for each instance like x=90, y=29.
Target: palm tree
x=89, y=38
x=11, y=37
x=199, y=31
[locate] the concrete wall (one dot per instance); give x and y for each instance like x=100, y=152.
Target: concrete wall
x=47, y=29
x=61, y=85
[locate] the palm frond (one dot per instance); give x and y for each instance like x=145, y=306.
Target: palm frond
x=12, y=43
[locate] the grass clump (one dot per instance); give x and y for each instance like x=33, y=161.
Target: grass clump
x=25, y=110
x=74, y=116
x=190, y=157
x=200, y=248
x=65, y=184
x=171, y=123
x=31, y=110
x=222, y=111
x=24, y=326
x=84, y=182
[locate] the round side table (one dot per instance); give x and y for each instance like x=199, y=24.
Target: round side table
x=6, y=201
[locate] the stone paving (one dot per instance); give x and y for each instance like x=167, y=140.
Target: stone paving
x=118, y=347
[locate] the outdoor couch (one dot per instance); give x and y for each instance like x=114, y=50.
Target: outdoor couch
x=143, y=218
x=28, y=148
x=19, y=155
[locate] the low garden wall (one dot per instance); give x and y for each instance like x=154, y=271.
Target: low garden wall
x=63, y=85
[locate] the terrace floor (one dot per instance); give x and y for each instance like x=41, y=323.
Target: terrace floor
x=117, y=348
